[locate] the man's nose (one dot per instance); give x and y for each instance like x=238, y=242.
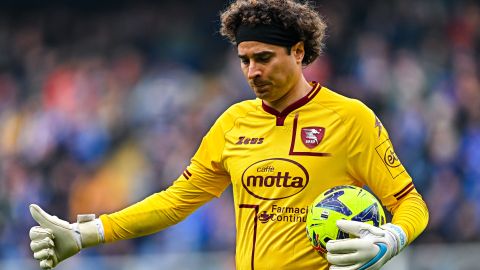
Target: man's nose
x=253, y=70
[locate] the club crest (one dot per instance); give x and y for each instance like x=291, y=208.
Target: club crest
x=312, y=136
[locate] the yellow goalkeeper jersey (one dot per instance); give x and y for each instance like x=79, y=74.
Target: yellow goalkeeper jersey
x=279, y=162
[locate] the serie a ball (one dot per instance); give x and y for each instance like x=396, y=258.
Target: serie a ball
x=340, y=202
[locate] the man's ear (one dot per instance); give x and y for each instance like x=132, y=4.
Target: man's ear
x=298, y=51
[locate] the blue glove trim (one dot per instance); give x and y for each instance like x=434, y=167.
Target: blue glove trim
x=383, y=250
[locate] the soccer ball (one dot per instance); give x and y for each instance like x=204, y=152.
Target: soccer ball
x=341, y=202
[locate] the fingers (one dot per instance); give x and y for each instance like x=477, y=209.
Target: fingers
x=44, y=254
x=46, y=264
x=340, y=259
x=349, y=245
x=345, y=267
x=42, y=246
x=37, y=233
x=46, y=257
x=348, y=259
x=45, y=243
x=353, y=252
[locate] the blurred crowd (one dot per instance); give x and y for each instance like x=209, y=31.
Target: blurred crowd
x=102, y=105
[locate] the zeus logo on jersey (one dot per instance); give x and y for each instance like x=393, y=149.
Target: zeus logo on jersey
x=275, y=179
x=246, y=140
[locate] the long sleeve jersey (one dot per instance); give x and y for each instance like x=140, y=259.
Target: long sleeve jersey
x=277, y=164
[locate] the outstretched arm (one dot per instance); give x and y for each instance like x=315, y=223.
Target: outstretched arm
x=156, y=212
x=56, y=240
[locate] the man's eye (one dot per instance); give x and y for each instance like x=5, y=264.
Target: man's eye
x=264, y=59
x=244, y=61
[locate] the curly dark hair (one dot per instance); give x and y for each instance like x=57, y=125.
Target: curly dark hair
x=302, y=18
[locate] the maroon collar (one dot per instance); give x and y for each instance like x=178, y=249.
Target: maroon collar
x=290, y=108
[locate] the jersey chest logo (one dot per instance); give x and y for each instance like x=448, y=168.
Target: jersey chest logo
x=275, y=179
x=312, y=136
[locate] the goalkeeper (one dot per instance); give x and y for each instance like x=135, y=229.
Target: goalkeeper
x=278, y=151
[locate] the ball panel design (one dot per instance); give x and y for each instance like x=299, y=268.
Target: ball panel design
x=341, y=202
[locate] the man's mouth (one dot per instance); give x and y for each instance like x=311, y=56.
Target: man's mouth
x=260, y=84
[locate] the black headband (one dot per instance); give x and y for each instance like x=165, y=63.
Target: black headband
x=273, y=33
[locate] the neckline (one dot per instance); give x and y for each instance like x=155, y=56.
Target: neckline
x=280, y=116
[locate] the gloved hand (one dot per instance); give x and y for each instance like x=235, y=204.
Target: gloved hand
x=55, y=239
x=370, y=251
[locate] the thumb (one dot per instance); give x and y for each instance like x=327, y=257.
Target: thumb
x=45, y=220
x=357, y=228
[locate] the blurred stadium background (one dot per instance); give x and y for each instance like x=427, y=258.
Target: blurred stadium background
x=104, y=102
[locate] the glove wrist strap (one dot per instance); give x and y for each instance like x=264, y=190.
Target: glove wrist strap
x=398, y=234
x=91, y=230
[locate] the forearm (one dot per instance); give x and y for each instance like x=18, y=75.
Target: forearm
x=412, y=215
x=154, y=213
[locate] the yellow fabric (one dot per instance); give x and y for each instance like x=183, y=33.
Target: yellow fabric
x=154, y=213
x=278, y=163
x=411, y=215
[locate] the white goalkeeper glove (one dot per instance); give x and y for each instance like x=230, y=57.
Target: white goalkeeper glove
x=370, y=251
x=55, y=239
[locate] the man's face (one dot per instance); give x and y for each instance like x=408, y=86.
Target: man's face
x=269, y=69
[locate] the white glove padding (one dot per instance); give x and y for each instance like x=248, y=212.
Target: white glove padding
x=370, y=251
x=55, y=239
